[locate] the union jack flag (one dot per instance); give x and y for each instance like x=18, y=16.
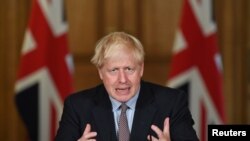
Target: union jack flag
x=45, y=73
x=196, y=65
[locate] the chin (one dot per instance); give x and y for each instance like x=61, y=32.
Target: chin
x=123, y=99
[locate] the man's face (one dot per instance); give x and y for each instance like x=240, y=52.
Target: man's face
x=121, y=75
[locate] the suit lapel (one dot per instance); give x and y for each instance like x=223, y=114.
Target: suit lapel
x=103, y=116
x=144, y=114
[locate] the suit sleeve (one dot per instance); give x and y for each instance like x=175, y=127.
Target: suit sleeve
x=69, y=125
x=181, y=122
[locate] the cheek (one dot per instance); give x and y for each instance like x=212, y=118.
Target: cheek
x=135, y=79
x=109, y=79
x=139, y=75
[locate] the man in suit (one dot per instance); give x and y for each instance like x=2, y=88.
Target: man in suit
x=153, y=112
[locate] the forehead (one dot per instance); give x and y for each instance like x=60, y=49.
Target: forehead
x=120, y=63
x=121, y=57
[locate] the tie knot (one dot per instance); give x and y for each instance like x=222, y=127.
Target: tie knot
x=124, y=107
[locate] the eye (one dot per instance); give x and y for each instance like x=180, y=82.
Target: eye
x=112, y=71
x=129, y=69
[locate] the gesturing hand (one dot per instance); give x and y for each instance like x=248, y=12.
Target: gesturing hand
x=162, y=135
x=87, y=134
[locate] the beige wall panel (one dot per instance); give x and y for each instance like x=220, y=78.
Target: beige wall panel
x=240, y=59
x=167, y=16
x=156, y=70
x=86, y=75
x=2, y=90
x=159, y=22
x=83, y=22
x=240, y=67
x=14, y=19
x=232, y=25
x=225, y=38
x=129, y=16
x=147, y=35
x=248, y=61
x=111, y=13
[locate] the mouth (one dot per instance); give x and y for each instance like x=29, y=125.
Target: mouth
x=123, y=91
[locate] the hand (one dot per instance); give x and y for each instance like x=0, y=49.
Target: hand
x=162, y=135
x=87, y=134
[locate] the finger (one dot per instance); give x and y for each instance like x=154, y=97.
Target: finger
x=157, y=131
x=166, y=126
x=87, y=139
x=87, y=129
x=153, y=138
x=87, y=134
x=90, y=135
x=149, y=138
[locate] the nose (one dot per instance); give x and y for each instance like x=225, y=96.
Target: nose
x=122, y=77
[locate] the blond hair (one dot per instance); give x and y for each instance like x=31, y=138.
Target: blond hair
x=105, y=48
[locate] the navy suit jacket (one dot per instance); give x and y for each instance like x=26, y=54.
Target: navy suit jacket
x=154, y=104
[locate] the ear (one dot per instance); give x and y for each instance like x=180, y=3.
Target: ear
x=100, y=73
x=142, y=69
